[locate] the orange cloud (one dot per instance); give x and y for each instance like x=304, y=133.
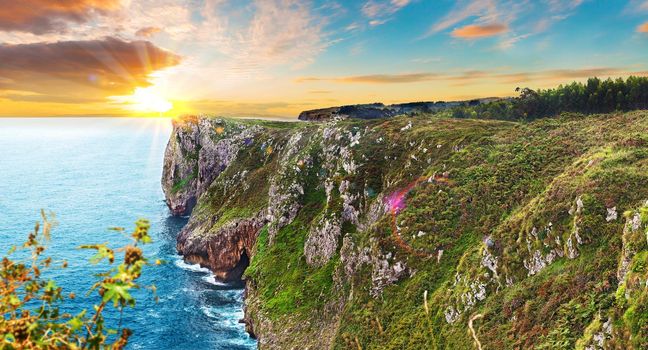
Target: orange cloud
x=477, y=76
x=42, y=16
x=147, y=32
x=643, y=28
x=474, y=31
x=80, y=70
x=377, y=78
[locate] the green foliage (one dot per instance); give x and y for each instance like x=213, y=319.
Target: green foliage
x=284, y=280
x=594, y=96
x=31, y=306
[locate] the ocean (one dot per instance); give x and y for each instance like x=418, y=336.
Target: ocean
x=97, y=173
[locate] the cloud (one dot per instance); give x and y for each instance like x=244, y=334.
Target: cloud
x=564, y=5
x=81, y=70
x=470, y=75
x=465, y=9
x=270, y=32
x=389, y=78
x=22, y=96
x=509, y=42
x=351, y=27
x=635, y=6
x=147, y=32
x=378, y=78
x=379, y=11
x=556, y=11
x=425, y=60
x=42, y=16
x=238, y=42
x=487, y=18
x=564, y=74
x=124, y=20
x=478, y=76
x=474, y=31
x=643, y=28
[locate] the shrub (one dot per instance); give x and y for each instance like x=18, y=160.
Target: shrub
x=31, y=305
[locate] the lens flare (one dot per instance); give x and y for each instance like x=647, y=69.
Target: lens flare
x=144, y=100
x=397, y=202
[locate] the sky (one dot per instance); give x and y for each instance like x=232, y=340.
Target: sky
x=276, y=58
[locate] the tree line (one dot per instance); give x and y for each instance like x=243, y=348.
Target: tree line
x=593, y=96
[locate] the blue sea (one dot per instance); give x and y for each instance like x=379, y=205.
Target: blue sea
x=97, y=173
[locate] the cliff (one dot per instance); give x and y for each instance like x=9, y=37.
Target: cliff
x=420, y=232
x=379, y=110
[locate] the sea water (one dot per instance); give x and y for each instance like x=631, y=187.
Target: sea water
x=97, y=173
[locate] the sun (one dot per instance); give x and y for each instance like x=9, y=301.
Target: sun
x=145, y=100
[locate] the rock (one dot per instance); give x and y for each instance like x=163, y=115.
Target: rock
x=198, y=151
x=451, y=315
x=179, y=177
x=226, y=252
x=632, y=238
x=385, y=273
x=322, y=241
x=611, y=214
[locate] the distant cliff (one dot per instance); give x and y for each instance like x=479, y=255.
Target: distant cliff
x=379, y=110
x=420, y=232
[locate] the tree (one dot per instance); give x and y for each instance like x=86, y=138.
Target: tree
x=595, y=96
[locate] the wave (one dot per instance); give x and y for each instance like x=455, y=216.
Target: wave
x=211, y=279
x=228, y=318
x=179, y=262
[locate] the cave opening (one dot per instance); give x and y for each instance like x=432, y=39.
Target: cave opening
x=237, y=272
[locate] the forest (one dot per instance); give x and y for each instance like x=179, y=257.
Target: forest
x=593, y=96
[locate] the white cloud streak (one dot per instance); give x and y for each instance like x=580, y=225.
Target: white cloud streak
x=380, y=11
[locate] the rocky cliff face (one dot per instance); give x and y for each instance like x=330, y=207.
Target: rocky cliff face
x=194, y=157
x=413, y=232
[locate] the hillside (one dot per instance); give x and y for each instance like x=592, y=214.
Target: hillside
x=422, y=232
x=379, y=110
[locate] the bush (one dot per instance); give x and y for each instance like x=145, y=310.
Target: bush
x=31, y=304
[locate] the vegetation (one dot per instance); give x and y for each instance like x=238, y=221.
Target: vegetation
x=33, y=306
x=594, y=96
x=471, y=189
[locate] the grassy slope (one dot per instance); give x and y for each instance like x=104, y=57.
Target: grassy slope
x=500, y=180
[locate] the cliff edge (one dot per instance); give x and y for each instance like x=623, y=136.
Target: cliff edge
x=379, y=110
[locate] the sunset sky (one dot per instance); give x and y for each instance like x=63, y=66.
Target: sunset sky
x=279, y=57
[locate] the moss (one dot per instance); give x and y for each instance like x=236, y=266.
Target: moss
x=183, y=183
x=593, y=328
